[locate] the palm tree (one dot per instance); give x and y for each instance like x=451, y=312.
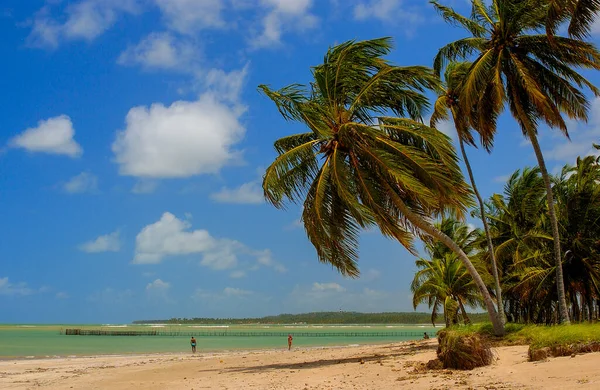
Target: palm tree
x=530, y=71
x=356, y=168
x=448, y=101
x=581, y=15
x=578, y=199
x=442, y=281
x=523, y=248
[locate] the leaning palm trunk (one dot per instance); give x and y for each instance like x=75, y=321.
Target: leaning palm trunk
x=430, y=229
x=488, y=236
x=563, y=314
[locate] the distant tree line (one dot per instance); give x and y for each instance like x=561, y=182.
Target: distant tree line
x=316, y=318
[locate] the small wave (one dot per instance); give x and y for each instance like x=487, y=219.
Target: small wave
x=116, y=326
x=157, y=326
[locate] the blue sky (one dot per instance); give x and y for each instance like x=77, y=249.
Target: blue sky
x=133, y=140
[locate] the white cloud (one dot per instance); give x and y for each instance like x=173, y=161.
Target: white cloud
x=283, y=15
x=228, y=294
x=182, y=140
x=265, y=258
x=8, y=288
x=582, y=135
x=168, y=237
x=501, y=179
x=247, y=193
x=145, y=187
x=158, y=285
x=106, y=243
x=226, y=85
x=82, y=183
x=189, y=16
x=62, y=295
x=236, y=292
x=237, y=274
x=110, y=296
x=83, y=20
x=327, y=287
x=447, y=127
x=396, y=11
x=54, y=136
x=161, y=51
x=370, y=275
x=171, y=236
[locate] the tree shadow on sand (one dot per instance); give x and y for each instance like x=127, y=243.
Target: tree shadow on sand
x=394, y=351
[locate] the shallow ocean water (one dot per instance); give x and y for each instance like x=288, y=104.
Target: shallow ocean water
x=28, y=341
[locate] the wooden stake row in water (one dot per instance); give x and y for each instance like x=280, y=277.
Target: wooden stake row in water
x=96, y=332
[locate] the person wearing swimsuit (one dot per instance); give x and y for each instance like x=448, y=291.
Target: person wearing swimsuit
x=193, y=344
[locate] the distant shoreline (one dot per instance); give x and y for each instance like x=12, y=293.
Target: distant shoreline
x=316, y=318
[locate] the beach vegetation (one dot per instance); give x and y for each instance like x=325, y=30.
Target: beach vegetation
x=358, y=166
x=442, y=281
x=448, y=107
x=534, y=74
x=544, y=341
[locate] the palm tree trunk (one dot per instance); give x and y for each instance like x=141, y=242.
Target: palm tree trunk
x=499, y=302
x=466, y=318
x=563, y=314
x=428, y=228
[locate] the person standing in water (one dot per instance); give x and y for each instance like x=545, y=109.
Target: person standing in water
x=290, y=338
x=193, y=344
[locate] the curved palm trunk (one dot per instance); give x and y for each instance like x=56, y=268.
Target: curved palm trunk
x=563, y=314
x=500, y=303
x=428, y=228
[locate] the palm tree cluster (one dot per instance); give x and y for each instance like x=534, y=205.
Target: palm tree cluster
x=521, y=236
x=368, y=160
x=523, y=241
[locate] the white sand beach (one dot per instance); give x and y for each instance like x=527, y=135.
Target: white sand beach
x=364, y=367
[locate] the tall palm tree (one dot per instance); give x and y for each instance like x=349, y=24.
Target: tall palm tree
x=356, y=167
x=578, y=199
x=530, y=71
x=581, y=15
x=523, y=248
x=442, y=280
x=448, y=102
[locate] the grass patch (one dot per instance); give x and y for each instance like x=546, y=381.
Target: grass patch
x=543, y=341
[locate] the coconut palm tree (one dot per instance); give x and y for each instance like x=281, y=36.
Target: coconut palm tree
x=531, y=72
x=581, y=15
x=445, y=284
x=523, y=248
x=442, y=280
x=578, y=199
x=447, y=107
x=356, y=167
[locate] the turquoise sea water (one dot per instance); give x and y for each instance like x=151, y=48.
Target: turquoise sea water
x=29, y=341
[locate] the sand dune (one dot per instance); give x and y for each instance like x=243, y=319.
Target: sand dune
x=365, y=367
